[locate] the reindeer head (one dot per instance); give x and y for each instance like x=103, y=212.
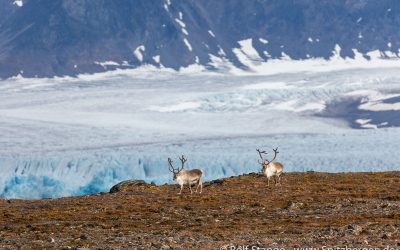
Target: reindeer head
x=178, y=170
x=264, y=162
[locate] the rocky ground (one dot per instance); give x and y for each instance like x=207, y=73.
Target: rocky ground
x=308, y=210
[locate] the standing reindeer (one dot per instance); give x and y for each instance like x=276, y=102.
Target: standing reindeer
x=189, y=177
x=270, y=168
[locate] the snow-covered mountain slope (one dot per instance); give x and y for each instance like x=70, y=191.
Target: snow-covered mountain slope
x=62, y=37
x=72, y=136
x=146, y=80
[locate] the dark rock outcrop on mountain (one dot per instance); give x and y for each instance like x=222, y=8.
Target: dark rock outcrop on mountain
x=67, y=37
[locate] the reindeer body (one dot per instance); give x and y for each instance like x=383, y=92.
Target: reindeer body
x=273, y=169
x=270, y=168
x=189, y=177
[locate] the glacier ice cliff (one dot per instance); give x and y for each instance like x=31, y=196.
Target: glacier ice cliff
x=78, y=173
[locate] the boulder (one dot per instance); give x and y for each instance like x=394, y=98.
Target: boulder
x=124, y=185
x=217, y=182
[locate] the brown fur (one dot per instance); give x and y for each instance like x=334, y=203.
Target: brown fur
x=278, y=166
x=194, y=173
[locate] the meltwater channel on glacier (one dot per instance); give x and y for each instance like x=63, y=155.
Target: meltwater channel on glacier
x=63, y=137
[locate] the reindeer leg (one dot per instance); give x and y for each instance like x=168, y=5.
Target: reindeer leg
x=198, y=184
x=276, y=180
x=180, y=192
x=201, y=186
x=268, y=180
x=190, y=188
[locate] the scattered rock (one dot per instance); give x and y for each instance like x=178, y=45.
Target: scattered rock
x=126, y=185
x=254, y=174
x=83, y=237
x=297, y=205
x=165, y=247
x=355, y=229
x=217, y=182
x=286, y=204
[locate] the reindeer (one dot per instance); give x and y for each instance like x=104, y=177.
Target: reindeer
x=189, y=177
x=271, y=168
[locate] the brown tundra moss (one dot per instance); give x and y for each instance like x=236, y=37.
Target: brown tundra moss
x=307, y=210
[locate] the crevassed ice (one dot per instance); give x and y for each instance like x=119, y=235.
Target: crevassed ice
x=72, y=136
x=77, y=173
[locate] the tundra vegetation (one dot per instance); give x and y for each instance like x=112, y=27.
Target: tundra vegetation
x=309, y=209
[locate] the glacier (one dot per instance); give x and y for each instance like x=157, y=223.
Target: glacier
x=76, y=136
x=79, y=173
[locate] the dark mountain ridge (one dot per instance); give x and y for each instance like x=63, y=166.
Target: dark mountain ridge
x=46, y=38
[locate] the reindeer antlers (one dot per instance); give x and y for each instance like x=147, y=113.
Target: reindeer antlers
x=172, y=169
x=263, y=152
x=260, y=153
x=276, y=152
x=183, y=160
